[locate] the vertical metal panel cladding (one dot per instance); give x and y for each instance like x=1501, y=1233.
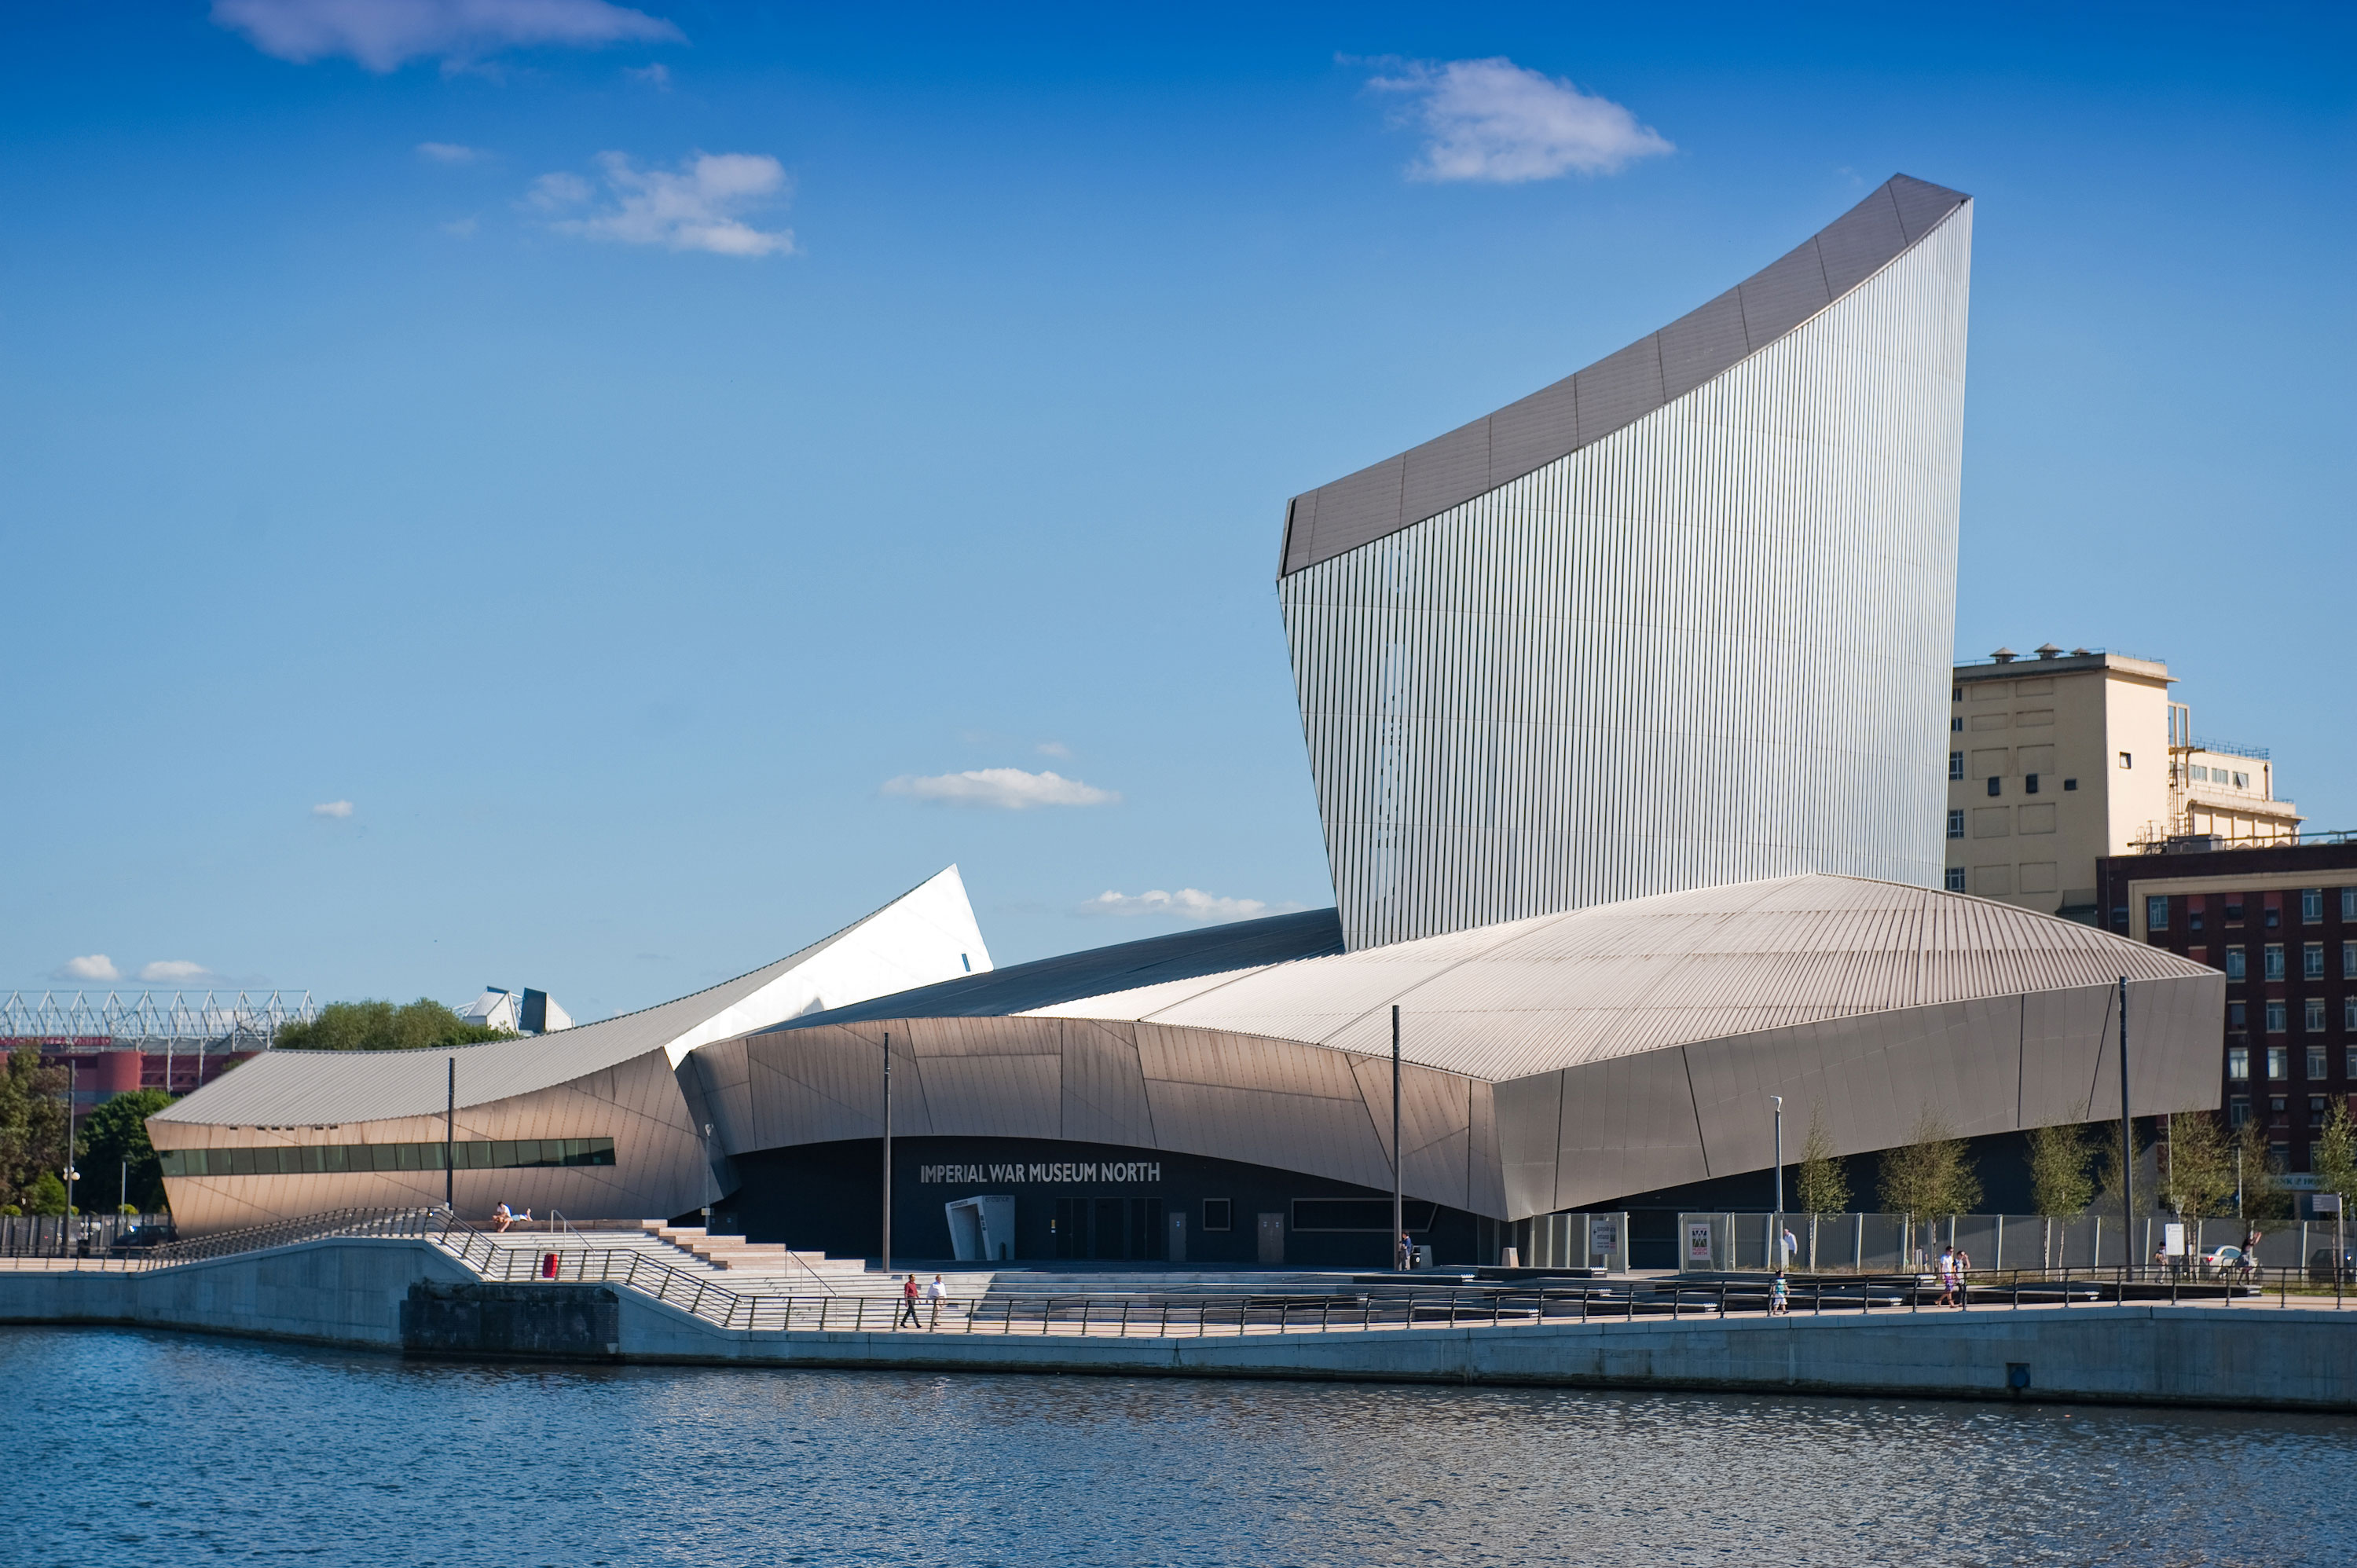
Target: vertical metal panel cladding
x=1711, y=647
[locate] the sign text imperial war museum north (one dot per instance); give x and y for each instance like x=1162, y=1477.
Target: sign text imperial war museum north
x=1048, y=1173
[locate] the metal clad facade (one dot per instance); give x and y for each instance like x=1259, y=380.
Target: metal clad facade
x=1711, y=648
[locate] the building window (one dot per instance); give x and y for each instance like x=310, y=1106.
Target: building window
x=2316, y=1110
x=2311, y=906
x=2349, y=1017
x=1955, y=765
x=1219, y=1214
x=1959, y=696
x=2156, y=914
x=2276, y=1112
x=2238, y=1063
x=2274, y=917
x=2349, y=960
x=2242, y=780
x=2194, y=914
x=2275, y=960
x=2274, y=1026
x=2311, y=961
x=2201, y=774
x=2070, y=784
x=2030, y=784
x=2238, y=1110
x=2237, y=1016
x=1956, y=879
x=2234, y=962
x=2127, y=760
x=2278, y=1066
x=1957, y=829
x=2316, y=1064
x=2349, y=1060
x=1994, y=785
x=2349, y=902
x=2312, y=1023
x=2234, y=911
x=1956, y=724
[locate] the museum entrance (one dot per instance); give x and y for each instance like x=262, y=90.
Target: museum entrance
x=1110, y=1228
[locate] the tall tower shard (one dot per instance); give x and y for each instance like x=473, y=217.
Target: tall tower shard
x=1683, y=618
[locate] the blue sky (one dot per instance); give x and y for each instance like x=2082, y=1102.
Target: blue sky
x=606, y=459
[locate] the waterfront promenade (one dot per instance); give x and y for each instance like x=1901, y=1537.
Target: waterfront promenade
x=421, y=1295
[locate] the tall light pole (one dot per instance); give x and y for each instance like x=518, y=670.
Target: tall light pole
x=71, y=1174
x=450, y=1142
x=887, y=1151
x=1399, y=1207
x=2128, y=1137
x=1776, y=1241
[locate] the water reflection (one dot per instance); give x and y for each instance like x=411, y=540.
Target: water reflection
x=184, y=1447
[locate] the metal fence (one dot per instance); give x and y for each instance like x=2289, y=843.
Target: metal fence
x=1871, y=1242
x=63, y=1235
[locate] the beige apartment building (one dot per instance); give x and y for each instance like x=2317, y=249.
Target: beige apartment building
x=2057, y=760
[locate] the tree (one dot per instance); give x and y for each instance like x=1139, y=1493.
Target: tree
x=1823, y=1186
x=421, y=1025
x=46, y=1194
x=116, y=1134
x=2266, y=1201
x=1931, y=1173
x=32, y=1123
x=2060, y=1184
x=2199, y=1171
x=2333, y=1155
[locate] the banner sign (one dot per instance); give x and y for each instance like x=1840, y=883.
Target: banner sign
x=1698, y=1242
x=1050, y=1173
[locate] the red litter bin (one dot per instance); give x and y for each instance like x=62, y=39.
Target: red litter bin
x=548, y=1265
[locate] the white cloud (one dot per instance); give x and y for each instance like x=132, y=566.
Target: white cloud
x=177, y=972
x=657, y=76
x=1008, y=789
x=92, y=966
x=332, y=809
x=1186, y=904
x=1495, y=121
x=448, y=153
x=1053, y=748
x=698, y=207
x=384, y=35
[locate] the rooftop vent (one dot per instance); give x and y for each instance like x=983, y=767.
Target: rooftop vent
x=2047, y=651
x=2083, y=653
x=2005, y=656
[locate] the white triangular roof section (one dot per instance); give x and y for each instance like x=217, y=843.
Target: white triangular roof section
x=925, y=935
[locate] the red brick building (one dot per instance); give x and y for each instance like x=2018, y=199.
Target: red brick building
x=2282, y=923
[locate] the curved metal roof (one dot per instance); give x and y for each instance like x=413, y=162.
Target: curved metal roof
x=1618, y=390
x=913, y=937
x=1528, y=996
x=1126, y=966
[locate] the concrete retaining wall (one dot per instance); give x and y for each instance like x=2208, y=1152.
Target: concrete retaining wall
x=324, y=1292
x=2241, y=1357
x=351, y=1292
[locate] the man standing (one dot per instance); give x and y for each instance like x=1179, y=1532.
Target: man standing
x=935, y=1293
x=1791, y=1244
x=908, y=1304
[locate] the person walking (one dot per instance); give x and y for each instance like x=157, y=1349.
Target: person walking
x=935, y=1294
x=1780, y=1302
x=1947, y=1276
x=1963, y=1274
x=908, y=1304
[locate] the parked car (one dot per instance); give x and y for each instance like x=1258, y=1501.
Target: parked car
x=2320, y=1267
x=139, y=1238
x=2220, y=1260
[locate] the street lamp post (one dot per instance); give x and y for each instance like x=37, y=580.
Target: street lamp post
x=1776, y=1230
x=887, y=1151
x=1399, y=1208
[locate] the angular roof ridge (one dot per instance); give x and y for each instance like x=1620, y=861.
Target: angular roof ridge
x=1619, y=389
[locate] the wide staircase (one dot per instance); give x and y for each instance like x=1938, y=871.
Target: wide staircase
x=731, y=1262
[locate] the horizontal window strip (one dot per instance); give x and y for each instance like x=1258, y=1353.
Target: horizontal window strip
x=340, y=1159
